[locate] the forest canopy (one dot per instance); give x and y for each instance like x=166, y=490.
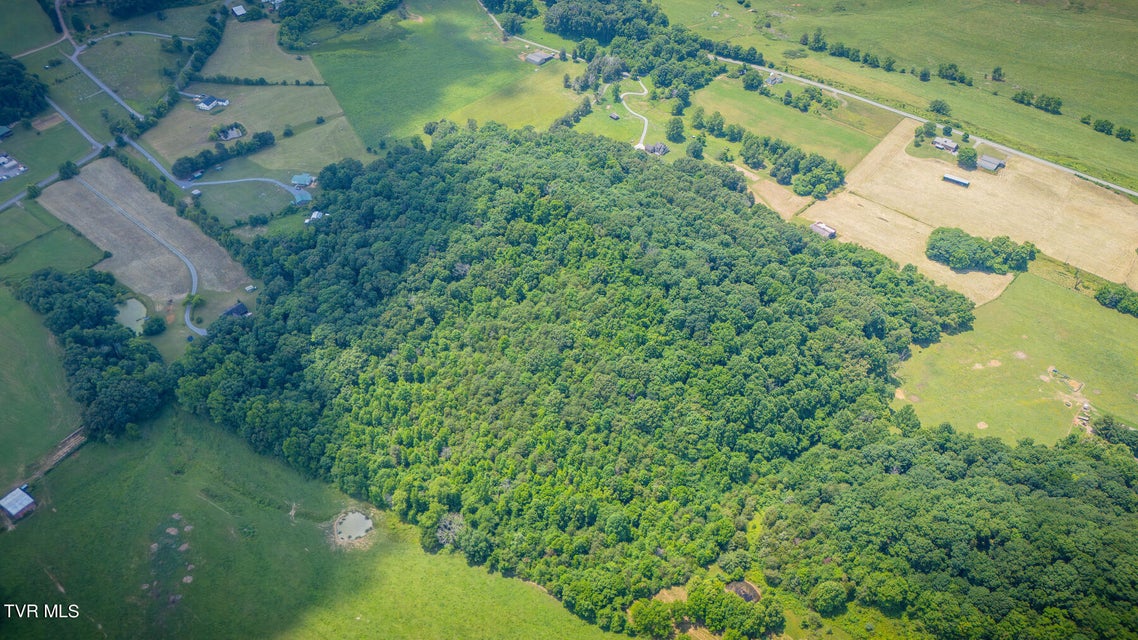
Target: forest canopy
x=22, y=95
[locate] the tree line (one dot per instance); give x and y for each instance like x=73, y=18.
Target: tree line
x=186, y=166
x=22, y=95
x=963, y=252
x=298, y=17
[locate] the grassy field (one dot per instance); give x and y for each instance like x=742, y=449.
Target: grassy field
x=41, y=152
x=74, y=92
x=249, y=50
x=1000, y=373
x=25, y=26
x=257, y=571
x=393, y=76
x=185, y=131
x=181, y=21
x=233, y=202
x=61, y=248
x=1089, y=76
x=841, y=136
x=132, y=67
x=23, y=223
x=37, y=411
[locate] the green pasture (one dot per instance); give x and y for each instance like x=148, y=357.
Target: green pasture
x=23, y=223
x=37, y=411
x=1080, y=65
x=233, y=202
x=185, y=130
x=250, y=50
x=181, y=21
x=257, y=536
x=393, y=76
x=25, y=26
x=41, y=152
x=61, y=248
x=817, y=132
x=992, y=374
x=132, y=67
x=74, y=92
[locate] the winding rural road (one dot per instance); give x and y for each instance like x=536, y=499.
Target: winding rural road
x=643, y=92
x=162, y=241
x=906, y=114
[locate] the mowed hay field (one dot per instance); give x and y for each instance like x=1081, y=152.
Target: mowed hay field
x=445, y=61
x=185, y=131
x=249, y=555
x=250, y=50
x=999, y=375
x=25, y=26
x=74, y=92
x=33, y=391
x=138, y=260
x=1069, y=219
x=1046, y=47
x=132, y=67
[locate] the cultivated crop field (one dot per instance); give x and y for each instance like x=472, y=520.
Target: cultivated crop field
x=37, y=411
x=185, y=131
x=139, y=261
x=846, y=136
x=448, y=60
x=1000, y=379
x=250, y=50
x=1011, y=35
x=1069, y=219
x=252, y=538
x=132, y=67
x=25, y=26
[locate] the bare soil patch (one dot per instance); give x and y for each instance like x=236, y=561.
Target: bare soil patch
x=1020, y=355
x=981, y=425
x=1069, y=219
x=47, y=122
x=994, y=363
x=138, y=260
x=744, y=590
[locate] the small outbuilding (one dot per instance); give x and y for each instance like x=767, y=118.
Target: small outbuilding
x=948, y=177
x=824, y=230
x=990, y=163
x=539, y=57
x=17, y=504
x=658, y=149
x=238, y=310
x=774, y=79
x=5, y=131
x=614, y=116
x=303, y=180
x=239, y=10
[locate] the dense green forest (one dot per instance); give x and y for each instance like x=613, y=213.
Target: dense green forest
x=584, y=367
x=22, y=95
x=119, y=378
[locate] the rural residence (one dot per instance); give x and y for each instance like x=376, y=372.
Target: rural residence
x=18, y=503
x=990, y=163
x=302, y=180
x=824, y=230
x=207, y=103
x=539, y=57
x=774, y=79
x=657, y=149
x=238, y=310
x=316, y=215
x=230, y=134
x=946, y=144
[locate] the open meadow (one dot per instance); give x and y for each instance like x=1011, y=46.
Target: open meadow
x=238, y=201
x=185, y=131
x=893, y=200
x=184, y=21
x=445, y=61
x=186, y=533
x=139, y=261
x=1036, y=44
x=37, y=410
x=25, y=26
x=846, y=135
x=33, y=239
x=74, y=92
x=250, y=50
x=1034, y=356
x=41, y=152
x=132, y=66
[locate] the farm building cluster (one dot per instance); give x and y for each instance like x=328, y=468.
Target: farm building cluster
x=946, y=144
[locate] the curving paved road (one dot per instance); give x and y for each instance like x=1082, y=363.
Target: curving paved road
x=181, y=256
x=642, y=92
x=906, y=114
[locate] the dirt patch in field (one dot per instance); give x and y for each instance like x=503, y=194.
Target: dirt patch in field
x=1020, y=355
x=981, y=425
x=994, y=363
x=899, y=394
x=138, y=260
x=47, y=122
x=894, y=201
x=353, y=530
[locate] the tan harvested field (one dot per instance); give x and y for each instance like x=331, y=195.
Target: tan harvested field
x=138, y=260
x=46, y=122
x=784, y=201
x=893, y=201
